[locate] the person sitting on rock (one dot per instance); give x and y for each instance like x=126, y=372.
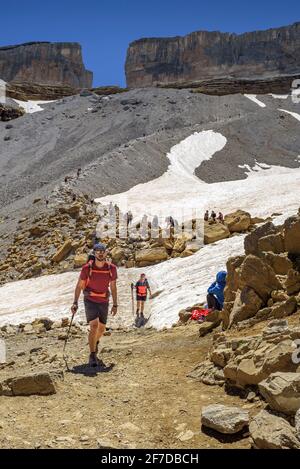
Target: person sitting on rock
x=215, y=293
x=221, y=218
x=142, y=286
x=213, y=216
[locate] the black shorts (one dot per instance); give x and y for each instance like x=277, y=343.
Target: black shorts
x=141, y=298
x=96, y=310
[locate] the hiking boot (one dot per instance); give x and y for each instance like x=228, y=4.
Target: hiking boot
x=93, y=361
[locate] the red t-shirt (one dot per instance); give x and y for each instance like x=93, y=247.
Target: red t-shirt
x=97, y=289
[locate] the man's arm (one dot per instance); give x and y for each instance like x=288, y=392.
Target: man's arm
x=114, y=293
x=79, y=287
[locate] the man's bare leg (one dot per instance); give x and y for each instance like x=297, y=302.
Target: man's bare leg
x=93, y=334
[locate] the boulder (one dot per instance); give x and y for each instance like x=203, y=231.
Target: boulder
x=117, y=254
x=80, y=260
x=32, y=384
x=258, y=275
x=215, y=232
x=291, y=234
x=224, y=419
x=292, y=284
x=247, y=303
x=267, y=431
x=251, y=241
x=150, y=256
x=45, y=322
x=208, y=373
x=257, y=220
x=179, y=245
x=238, y=221
x=62, y=252
x=184, y=316
x=282, y=391
x=271, y=243
x=280, y=263
x=212, y=321
x=256, y=364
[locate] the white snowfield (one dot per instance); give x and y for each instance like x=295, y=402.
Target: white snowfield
x=253, y=98
x=180, y=193
x=32, y=106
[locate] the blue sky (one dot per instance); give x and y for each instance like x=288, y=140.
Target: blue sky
x=105, y=28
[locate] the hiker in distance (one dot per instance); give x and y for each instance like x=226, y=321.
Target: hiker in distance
x=95, y=280
x=142, y=286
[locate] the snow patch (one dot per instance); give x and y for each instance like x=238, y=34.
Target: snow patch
x=253, y=98
x=279, y=96
x=294, y=114
x=32, y=106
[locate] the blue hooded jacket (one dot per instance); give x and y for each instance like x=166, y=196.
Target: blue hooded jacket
x=217, y=288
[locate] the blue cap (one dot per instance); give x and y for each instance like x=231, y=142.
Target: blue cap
x=99, y=247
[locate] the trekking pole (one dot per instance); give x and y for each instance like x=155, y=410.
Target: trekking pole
x=132, y=300
x=66, y=340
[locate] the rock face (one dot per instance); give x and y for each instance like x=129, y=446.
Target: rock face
x=268, y=431
x=228, y=420
x=282, y=392
x=204, y=55
x=45, y=63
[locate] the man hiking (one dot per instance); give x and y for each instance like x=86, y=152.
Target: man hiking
x=95, y=279
x=142, y=286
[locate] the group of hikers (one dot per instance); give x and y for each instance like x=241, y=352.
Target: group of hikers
x=98, y=280
x=213, y=217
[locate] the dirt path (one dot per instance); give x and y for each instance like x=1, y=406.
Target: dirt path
x=145, y=401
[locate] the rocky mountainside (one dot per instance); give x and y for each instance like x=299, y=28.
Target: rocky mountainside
x=211, y=55
x=45, y=63
x=240, y=386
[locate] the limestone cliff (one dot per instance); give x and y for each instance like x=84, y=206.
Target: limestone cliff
x=211, y=55
x=46, y=63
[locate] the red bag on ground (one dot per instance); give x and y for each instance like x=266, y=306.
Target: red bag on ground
x=199, y=314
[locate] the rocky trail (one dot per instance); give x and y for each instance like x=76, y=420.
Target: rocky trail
x=145, y=401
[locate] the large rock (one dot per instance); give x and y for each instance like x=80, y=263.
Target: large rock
x=212, y=321
x=268, y=431
x=282, y=391
x=63, y=251
x=8, y=113
x=291, y=233
x=46, y=63
x=280, y=263
x=212, y=54
x=238, y=221
x=117, y=255
x=80, y=260
x=151, y=256
x=38, y=383
x=224, y=419
x=251, y=240
x=258, y=275
x=271, y=243
x=292, y=283
x=247, y=303
x=214, y=232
